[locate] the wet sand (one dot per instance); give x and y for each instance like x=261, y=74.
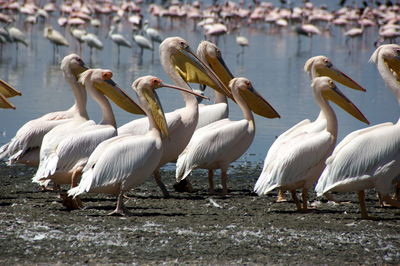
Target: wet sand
x=191, y=228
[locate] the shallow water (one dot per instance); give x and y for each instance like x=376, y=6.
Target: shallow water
x=273, y=62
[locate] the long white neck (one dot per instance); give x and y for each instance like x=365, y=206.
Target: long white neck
x=165, y=59
x=313, y=74
x=108, y=117
x=79, y=93
x=247, y=114
x=391, y=81
x=331, y=120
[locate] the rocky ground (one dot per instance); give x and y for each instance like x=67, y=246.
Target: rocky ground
x=190, y=228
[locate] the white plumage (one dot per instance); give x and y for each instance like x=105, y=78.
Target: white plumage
x=368, y=158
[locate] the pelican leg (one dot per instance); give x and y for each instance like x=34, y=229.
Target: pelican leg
x=397, y=193
x=281, y=196
x=121, y=209
x=295, y=199
x=304, y=196
x=390, y=201
x=70, y=202
x=224, y=177
x=157, y=177
x=183, y=186
x=211, y=189
x=363, y=209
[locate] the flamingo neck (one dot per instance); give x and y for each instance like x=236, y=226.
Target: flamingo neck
x=331, y=120
x=108, y=117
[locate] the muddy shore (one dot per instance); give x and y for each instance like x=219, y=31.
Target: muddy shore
x=191, y=228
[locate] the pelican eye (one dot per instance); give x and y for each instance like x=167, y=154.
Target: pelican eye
x=155, y=82
x=106, y=75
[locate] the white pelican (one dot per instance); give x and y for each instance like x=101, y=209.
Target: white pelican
x=218, y=144
x=7, y=91
x=66, y=148
x=24, y=147
x=316, y=66
x=303, y=159
x=370, y=157
x=182, y=65
x=124, y=162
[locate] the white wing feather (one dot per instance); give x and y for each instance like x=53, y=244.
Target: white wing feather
x=292, y=164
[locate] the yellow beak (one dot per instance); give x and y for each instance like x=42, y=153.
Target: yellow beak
x=118, y=96
x=4, y=103
x=192, y=69
x=340, y=77
x=7, y=90
x=157, y=112
x=394, y=65
x=219, y=67
x=336, y=96
x=258, y=104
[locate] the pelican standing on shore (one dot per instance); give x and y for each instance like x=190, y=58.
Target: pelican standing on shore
x=370, y=157
x=124, y=162
x=302, y=161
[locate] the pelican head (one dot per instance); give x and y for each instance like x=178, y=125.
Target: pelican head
x=210, y=53
x=190, y=68
x=253, y=99
x=325, y=87
x=145, y=88
x=73, y=64
x=321, y=65
x=100, y=79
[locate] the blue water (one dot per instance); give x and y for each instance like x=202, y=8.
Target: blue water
x=273, y=62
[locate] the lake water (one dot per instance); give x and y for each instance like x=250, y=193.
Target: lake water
x=273, y=62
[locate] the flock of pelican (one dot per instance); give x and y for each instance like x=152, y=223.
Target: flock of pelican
x=70, y=149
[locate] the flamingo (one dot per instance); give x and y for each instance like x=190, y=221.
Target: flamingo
x=56, y=38
x=124, y=162
x=118, y=39
x=218, y=144
x=24, y=147
x=93, y=42
x=303, y=159
x=368, y=158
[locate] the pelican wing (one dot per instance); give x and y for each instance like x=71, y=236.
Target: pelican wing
x=369, y=153
x=77, y=147
x=113, y=162
x=292, y=164
x=211, y=113
x=208, y=144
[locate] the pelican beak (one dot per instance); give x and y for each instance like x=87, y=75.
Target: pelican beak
x=192, y=69
x=219, y=67
x=157, y=112
x=336, y=96
x=394, y=65
x=258, y=104
x=339, y=76
x=163, y=85
x=5, y=103
x=109, y=88
x=7, y=90
x=79, y=69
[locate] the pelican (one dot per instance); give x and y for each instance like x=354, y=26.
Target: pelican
x=66, y=148
x=24, y=147
x=218, y=144
x=7, y=91
x=124, y=162
x=303, y=159
x=316, y=66
x=368, y=158
x=182, y=65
